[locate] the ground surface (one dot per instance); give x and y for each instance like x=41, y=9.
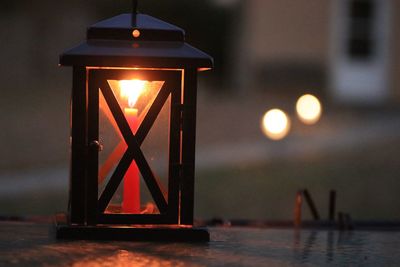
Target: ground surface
x=31, y=244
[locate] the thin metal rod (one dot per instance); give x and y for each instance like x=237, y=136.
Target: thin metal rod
x=134, y=6
x=332, y=205
x=297, y=209
x=311, y=204
x=134, y=13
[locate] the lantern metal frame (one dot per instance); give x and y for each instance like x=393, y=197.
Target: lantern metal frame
x=168, y=207
x=112, y=52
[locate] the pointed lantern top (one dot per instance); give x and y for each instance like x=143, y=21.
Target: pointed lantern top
x=149, y=42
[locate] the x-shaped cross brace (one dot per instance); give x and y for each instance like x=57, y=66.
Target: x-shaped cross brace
x=133, y=151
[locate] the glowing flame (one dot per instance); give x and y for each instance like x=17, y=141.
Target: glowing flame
x=131, y=89
x=308, y=109
x=275, y=124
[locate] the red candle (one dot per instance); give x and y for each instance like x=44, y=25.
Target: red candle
x=131, y=192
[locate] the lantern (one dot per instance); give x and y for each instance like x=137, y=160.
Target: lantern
x=133, y=132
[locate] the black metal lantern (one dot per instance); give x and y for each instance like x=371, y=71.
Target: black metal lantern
x=133, y=132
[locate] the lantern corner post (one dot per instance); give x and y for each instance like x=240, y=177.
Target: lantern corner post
x=188, y=145
x=76, y=212
x=93, y=148
x=174, y=149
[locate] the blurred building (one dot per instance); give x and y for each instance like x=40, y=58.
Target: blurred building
x=347, y=49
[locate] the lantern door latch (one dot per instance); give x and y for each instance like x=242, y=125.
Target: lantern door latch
x=95, y=144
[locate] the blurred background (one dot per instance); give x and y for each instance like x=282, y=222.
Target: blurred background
x=267, y=54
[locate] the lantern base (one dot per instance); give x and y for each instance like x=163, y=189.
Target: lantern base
x=169, y=233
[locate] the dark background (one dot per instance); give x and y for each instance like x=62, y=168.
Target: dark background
x=240, y=173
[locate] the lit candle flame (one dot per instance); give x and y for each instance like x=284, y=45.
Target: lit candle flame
x=131, y=89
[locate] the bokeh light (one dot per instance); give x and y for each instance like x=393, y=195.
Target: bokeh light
x=308, y=109
x=275, y=124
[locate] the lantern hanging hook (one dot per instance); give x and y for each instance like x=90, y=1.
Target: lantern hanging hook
x=134, y=12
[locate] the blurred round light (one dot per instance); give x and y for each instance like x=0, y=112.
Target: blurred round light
x=135, y=33
x=275, y=124
x=308, y=109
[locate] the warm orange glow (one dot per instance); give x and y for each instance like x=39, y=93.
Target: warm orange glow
x=308, y=109
x=136, y=33
x=135, y=95
x=130, y=68
x=131, y=112
x=275, y=124
x=131, y=90
x=203, y=69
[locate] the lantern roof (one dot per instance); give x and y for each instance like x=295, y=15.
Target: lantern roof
x=135, y=41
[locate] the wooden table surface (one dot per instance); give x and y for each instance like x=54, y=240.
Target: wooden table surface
x=33, y=244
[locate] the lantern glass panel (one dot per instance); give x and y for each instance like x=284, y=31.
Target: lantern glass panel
x=135, y=97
